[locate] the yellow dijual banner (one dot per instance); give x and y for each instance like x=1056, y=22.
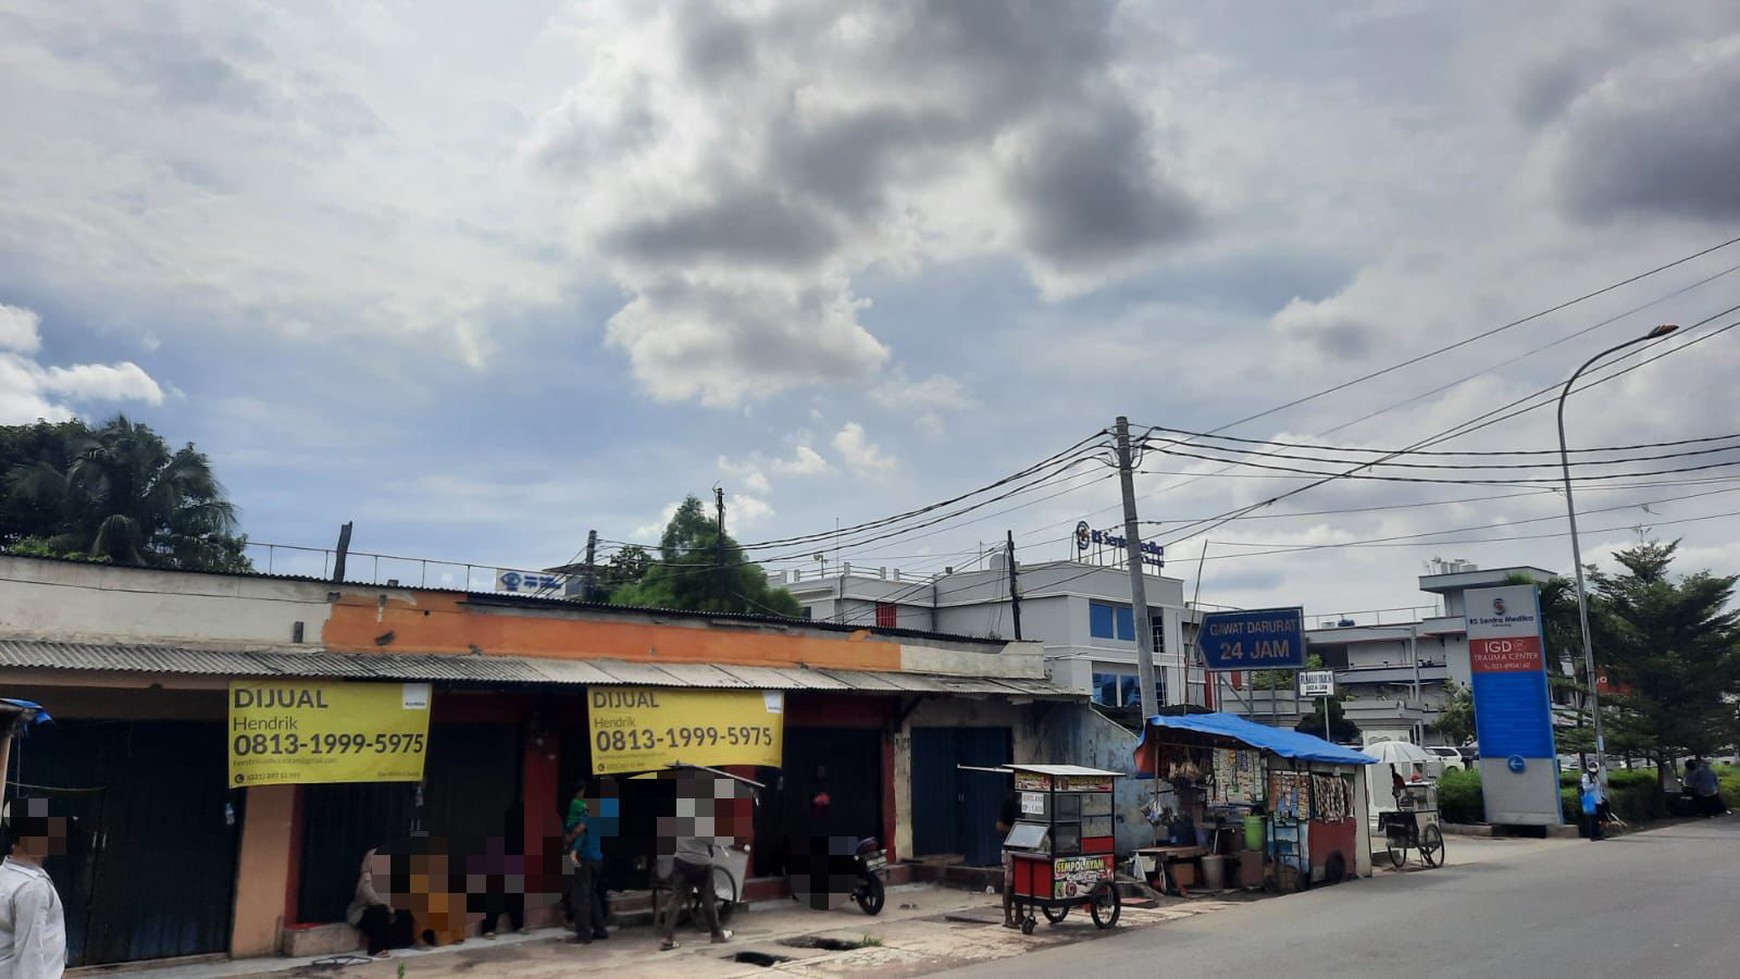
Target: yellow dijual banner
x=313, y=731
x=637, y=729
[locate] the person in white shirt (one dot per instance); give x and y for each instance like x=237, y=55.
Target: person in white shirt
x=32, y=922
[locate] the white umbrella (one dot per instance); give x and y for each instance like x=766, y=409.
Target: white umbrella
x=1397, y=752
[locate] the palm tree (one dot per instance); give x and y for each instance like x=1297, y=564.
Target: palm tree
x=127, y=498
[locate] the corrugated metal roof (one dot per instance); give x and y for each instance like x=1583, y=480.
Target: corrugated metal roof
x=435, y=667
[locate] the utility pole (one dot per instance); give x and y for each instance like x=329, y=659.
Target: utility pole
x=1014, y=583
x=1138, y=588
x=344, y=551
x=1414, y=655
x=719, y=537
x=589, y=578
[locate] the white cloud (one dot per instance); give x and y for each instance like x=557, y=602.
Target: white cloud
x=776, y=152
x=746, y=511
x=860, y=454
x=29, y=391
x=747, y=474
x=936, y=392
x=18, y=329
x=805, y=461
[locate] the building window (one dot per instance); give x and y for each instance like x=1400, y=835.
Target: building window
x=1106, y=689
x=1100, y=620
x=887, y=615
x=1109, y=621
x=1158, y=619
x=809, y=611
x=1126, y=623
x=1118, y=690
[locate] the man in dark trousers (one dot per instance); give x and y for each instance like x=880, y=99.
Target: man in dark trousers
x=588, y=860
x=1006, y=818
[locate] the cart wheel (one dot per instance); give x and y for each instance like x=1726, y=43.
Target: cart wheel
x=1027, y=925
x=1431, y=846
x=1398, y=852
x=1106, y=904
x=1054, y=915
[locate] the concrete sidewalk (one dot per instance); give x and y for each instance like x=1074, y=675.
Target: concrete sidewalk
x=923, y=929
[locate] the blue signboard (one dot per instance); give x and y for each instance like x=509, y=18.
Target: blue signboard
x=1261, y=639
x=1512, y=709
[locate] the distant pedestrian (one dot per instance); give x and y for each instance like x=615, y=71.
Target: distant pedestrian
x=1007, y=816
x=587, y=858
x=32, y=921
x=1706, y=789
x=1594, y=798
x=691, y=874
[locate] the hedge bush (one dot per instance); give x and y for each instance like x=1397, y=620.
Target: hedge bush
x=1459, y=796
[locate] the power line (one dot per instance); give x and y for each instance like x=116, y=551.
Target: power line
x=1190, y=437
x=1481, y=336
x=1454, y=432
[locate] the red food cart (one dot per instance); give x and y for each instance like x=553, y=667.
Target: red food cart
x=1061, y=846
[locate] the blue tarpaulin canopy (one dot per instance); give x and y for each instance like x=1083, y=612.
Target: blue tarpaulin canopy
x=27, y=712
x=1287, y=744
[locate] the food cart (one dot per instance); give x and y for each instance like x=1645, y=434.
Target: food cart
x=1284, y=805
x=1061, y=846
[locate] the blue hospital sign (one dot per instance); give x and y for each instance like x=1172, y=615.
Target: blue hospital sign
x=1513, y=717
x=1262, y=639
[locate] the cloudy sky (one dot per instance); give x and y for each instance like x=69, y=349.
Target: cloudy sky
x=483, y=277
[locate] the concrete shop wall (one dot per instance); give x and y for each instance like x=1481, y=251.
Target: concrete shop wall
x=68, y=601
x=1078, y=735
x=1021, y=720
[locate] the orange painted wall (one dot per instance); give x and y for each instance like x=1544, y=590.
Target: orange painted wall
x=263, y=870
x=440, y=622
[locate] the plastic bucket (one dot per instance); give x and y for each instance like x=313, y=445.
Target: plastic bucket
x=1253, y=832
x=1214, y=872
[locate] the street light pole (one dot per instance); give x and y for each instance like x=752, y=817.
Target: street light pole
x=1577, y=547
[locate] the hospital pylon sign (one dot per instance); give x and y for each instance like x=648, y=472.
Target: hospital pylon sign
x=1513, y=716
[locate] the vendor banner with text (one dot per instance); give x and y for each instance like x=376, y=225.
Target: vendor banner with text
x=638, y=729
x=309, y=731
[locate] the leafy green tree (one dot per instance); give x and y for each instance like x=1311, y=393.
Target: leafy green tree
x=1456, y=720
x=700, y=569
x=1340, y=728
x=119, y=494
x=625, y=569
x=1675, y=644
x=24, y=447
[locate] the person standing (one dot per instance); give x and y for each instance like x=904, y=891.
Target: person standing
x=1006, y=819
x=587, y=857
x=32, y=921
x=1594, y=798
x=691, y=873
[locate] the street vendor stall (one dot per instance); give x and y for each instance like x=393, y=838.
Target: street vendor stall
x=1062, y=844
x=1286, y=806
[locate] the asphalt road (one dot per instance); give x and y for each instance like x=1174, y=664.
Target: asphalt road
x=1660, y=903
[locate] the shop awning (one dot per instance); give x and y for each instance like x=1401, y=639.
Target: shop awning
x=443, y=668
x=1285, y=743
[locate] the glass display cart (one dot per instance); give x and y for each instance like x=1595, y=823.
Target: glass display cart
x=1062, y=844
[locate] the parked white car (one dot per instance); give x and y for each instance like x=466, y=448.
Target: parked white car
x=1448, y=756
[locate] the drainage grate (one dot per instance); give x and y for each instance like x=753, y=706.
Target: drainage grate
x=763, y=959
x=825, y=944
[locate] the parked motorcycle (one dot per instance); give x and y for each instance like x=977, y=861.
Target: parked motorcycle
x=824, y=872
x=869, y=888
